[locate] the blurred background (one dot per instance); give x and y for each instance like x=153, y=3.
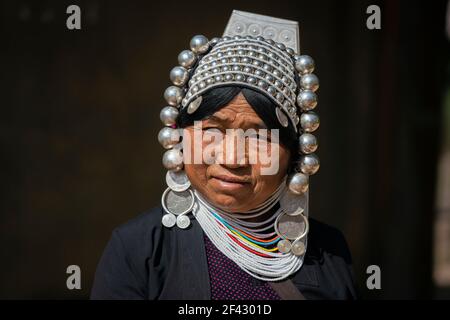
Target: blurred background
x=80, y=116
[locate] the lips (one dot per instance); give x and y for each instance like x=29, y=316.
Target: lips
x=229, y=184
x=231, y=179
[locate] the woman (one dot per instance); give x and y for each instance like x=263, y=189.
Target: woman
x=240, y=152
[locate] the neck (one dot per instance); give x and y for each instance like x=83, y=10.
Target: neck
x=265, y=216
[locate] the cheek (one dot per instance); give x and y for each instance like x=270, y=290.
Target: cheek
x=196, y=174
x=267, y=183
x=285, y=158
x=276, y=157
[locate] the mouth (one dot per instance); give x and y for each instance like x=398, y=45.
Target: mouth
x=227, y=182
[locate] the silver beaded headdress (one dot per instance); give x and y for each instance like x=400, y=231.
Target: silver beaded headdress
x=259, y=52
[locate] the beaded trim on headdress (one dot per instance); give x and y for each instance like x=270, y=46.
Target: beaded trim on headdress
x=255, y=63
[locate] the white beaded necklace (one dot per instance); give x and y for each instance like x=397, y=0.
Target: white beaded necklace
x=273, y=268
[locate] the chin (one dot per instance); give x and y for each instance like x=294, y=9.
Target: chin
x=228, y=203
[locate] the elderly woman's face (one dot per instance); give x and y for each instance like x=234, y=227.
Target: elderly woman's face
x=232, y=186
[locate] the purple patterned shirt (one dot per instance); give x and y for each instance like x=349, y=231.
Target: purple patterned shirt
x=229, y=282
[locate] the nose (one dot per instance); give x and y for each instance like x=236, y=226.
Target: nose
x=233, y=151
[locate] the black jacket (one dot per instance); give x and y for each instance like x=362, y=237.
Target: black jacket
x=144, y=260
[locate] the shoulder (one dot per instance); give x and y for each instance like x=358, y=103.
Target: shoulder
x=122, y=272
x=143, y=225
x=329, y=240
x=328, y=263
x=142, y=235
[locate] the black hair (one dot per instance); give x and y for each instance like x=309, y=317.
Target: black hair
x=216, y=98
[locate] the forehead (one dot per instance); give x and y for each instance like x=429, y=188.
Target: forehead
x=238, y=111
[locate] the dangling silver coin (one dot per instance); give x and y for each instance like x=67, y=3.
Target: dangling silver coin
x=282, y=118
x=177, y=203
x=291, y=227
x=183, y=221
x=298, y=248
x=177, y=180
x=168, y=220
x=293, y=204
x=284, y=246
x=193, y=106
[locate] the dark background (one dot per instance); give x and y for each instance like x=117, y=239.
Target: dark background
x=80, y=116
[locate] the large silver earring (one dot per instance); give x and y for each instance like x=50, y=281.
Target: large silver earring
x=292, y=229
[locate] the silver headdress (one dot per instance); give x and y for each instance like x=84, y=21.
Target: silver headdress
x=262, y=53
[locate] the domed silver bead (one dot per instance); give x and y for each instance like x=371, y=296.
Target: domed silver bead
x=307, y=100
x=199, y=44
x=168, y=137
x=281, y=46
x=298, y=183
x=309, y=82
x=290, y=51
x=214, y=41
x=307, y=143
x=179, y=76
x=272, y=90
x=279, y=97
x=278, y=84
x=173, y=95
x=309, y=121
x=187, y=58
x=309, y=164
x=169, y=115
x=262, y=84
x=251, y=80
x=304, y=64
x=173, y=160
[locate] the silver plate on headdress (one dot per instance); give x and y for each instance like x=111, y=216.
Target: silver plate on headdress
x=177, y=180
x=291, y=227
x=282, y=118
x=293, y=204
x=177, y=203
x=193, y=106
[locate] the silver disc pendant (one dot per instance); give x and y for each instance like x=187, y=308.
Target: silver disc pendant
x=291, y=227
x=183, y=221
x=177, y=180
x=284, y=246
x=177, y=203
x=168, y=220
x=193, y=106
x=298, y=248
x=293, y=204
x=282, y=118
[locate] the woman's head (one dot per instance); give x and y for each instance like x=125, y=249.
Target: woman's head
x=225, y=182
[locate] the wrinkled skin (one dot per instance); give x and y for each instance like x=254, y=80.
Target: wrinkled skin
x=237, y=187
